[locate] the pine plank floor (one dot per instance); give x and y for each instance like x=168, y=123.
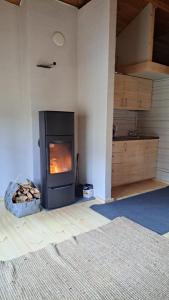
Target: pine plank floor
x=133, y=189
x=20, y=236
x=31, y=233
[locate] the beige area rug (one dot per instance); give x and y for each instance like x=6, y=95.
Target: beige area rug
x=121, y=260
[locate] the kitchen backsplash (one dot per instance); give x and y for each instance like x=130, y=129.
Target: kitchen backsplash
x=124, y=120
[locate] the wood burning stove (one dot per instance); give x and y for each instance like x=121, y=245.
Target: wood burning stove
x=57, y=158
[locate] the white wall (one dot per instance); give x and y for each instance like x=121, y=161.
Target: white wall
x=96, y=58
x=26, y=39
x=156, y=122
x=15, y=111
x=54, y=89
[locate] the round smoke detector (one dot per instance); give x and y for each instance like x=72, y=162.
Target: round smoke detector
x=58, y=38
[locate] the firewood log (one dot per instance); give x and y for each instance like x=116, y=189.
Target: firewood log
x=29, y=195
x=37, y=196
x=36, y=191
x=26, y=192
x=21, y=199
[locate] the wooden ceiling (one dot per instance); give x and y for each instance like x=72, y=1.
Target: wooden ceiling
x=16, y=2
x=127, y=10
x=77, y=3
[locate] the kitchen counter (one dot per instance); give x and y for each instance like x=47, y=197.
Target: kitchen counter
x=133, y=138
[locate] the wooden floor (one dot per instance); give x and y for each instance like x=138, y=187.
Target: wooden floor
x=137, y=188
x=20, y=236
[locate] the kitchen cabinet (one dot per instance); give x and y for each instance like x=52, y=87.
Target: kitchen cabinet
x=133, y=161
x=132, y=93
x=145, y=88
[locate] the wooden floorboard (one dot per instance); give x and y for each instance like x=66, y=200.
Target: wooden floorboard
x=20, y=236
x=137, y=188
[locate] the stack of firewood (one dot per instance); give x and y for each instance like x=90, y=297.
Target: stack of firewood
x=26, y=193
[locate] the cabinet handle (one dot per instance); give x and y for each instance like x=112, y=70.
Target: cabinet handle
x=125, y=101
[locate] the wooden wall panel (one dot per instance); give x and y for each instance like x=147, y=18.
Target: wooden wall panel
x=156, y=122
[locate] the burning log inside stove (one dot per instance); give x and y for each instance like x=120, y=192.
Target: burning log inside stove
x=26, y=193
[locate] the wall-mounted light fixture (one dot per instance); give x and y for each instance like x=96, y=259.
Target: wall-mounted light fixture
x=58, y=39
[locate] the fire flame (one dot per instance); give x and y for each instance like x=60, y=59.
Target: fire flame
x=60, y=158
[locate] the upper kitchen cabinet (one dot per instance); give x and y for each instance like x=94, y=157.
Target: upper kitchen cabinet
x=132, y=93
x=143, y=46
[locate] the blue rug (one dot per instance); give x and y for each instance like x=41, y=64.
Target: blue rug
x=150, y=210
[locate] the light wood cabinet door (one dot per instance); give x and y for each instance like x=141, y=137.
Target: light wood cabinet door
x=145, y=87
x=119, y=91
x=133, y=161
x=132, y=93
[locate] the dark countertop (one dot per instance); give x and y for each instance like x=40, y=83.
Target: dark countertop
x=134, y=138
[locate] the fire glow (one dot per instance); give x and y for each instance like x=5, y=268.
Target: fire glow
x=60, y=158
